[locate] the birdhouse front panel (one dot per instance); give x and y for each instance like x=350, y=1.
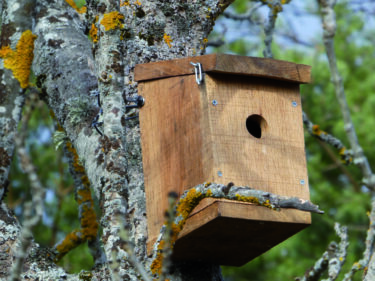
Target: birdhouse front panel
x=256, y=132
x=241, y=124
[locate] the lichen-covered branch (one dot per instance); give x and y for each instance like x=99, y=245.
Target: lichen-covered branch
x=338, y=257
x=275, y=8
x=33, y=210
x=368, y=254
x=331, y=260
x=315, y=131
x=329, y=27
x=87, y=216
x=191, y=198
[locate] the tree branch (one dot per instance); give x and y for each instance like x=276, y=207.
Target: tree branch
x=329, y=27
x=369, y=251
x=332, y=259
x=275, y=8
x=315, y=131
x=33, y=210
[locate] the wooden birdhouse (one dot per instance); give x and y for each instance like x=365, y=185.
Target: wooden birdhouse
x=241, y=124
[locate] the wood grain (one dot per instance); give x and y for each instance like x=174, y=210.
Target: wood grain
x=222, y=63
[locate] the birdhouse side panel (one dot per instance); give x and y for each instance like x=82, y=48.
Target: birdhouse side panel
x=257, y=134
x=171, y=124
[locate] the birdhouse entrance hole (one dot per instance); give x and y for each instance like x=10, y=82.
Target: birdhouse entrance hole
x=255, y=125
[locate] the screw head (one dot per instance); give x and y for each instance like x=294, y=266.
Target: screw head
x=294, y=103
x=214, y=102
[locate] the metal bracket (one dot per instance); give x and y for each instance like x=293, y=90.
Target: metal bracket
x=139, y=102
x=198, y=72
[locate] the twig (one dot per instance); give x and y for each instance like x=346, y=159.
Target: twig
x=315, y=131
x=247, y=16
x=338, y=257
x=170, y=215
x=275, y=8
x=329, y=27
x=369, y=251
x=129, y=248
x=33, y=211
x=332, y=259
x=87, y=216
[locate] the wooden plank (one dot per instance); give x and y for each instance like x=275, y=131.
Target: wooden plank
x=222, y=63
x=232, y=233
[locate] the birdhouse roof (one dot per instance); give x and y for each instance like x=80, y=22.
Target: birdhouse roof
x=222, y=63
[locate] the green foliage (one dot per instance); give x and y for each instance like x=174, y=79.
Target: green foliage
x=80, y=3
x=240, y=6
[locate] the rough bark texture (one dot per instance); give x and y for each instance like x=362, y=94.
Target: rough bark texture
x=68, y=68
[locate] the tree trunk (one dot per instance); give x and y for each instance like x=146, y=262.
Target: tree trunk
x=69, y=67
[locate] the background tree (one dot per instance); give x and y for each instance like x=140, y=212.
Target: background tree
x=82, y=47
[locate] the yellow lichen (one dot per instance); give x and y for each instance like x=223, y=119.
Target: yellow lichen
x=94, y=31
x=250, y=199
x=125, y=3
x=81, y=10
x=112, y=20
x=84, y=194
x=71, y=241
x=187, y=204
x=316, y=130
x=254, y=200
x=88, y=223
x=19, y=61
x=76, y=164
x=167, y=39
x=184, y=208
x=137, y=3
x=157, y=264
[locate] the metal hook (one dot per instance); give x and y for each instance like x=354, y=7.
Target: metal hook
x=139, y=102
x=198, y=72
